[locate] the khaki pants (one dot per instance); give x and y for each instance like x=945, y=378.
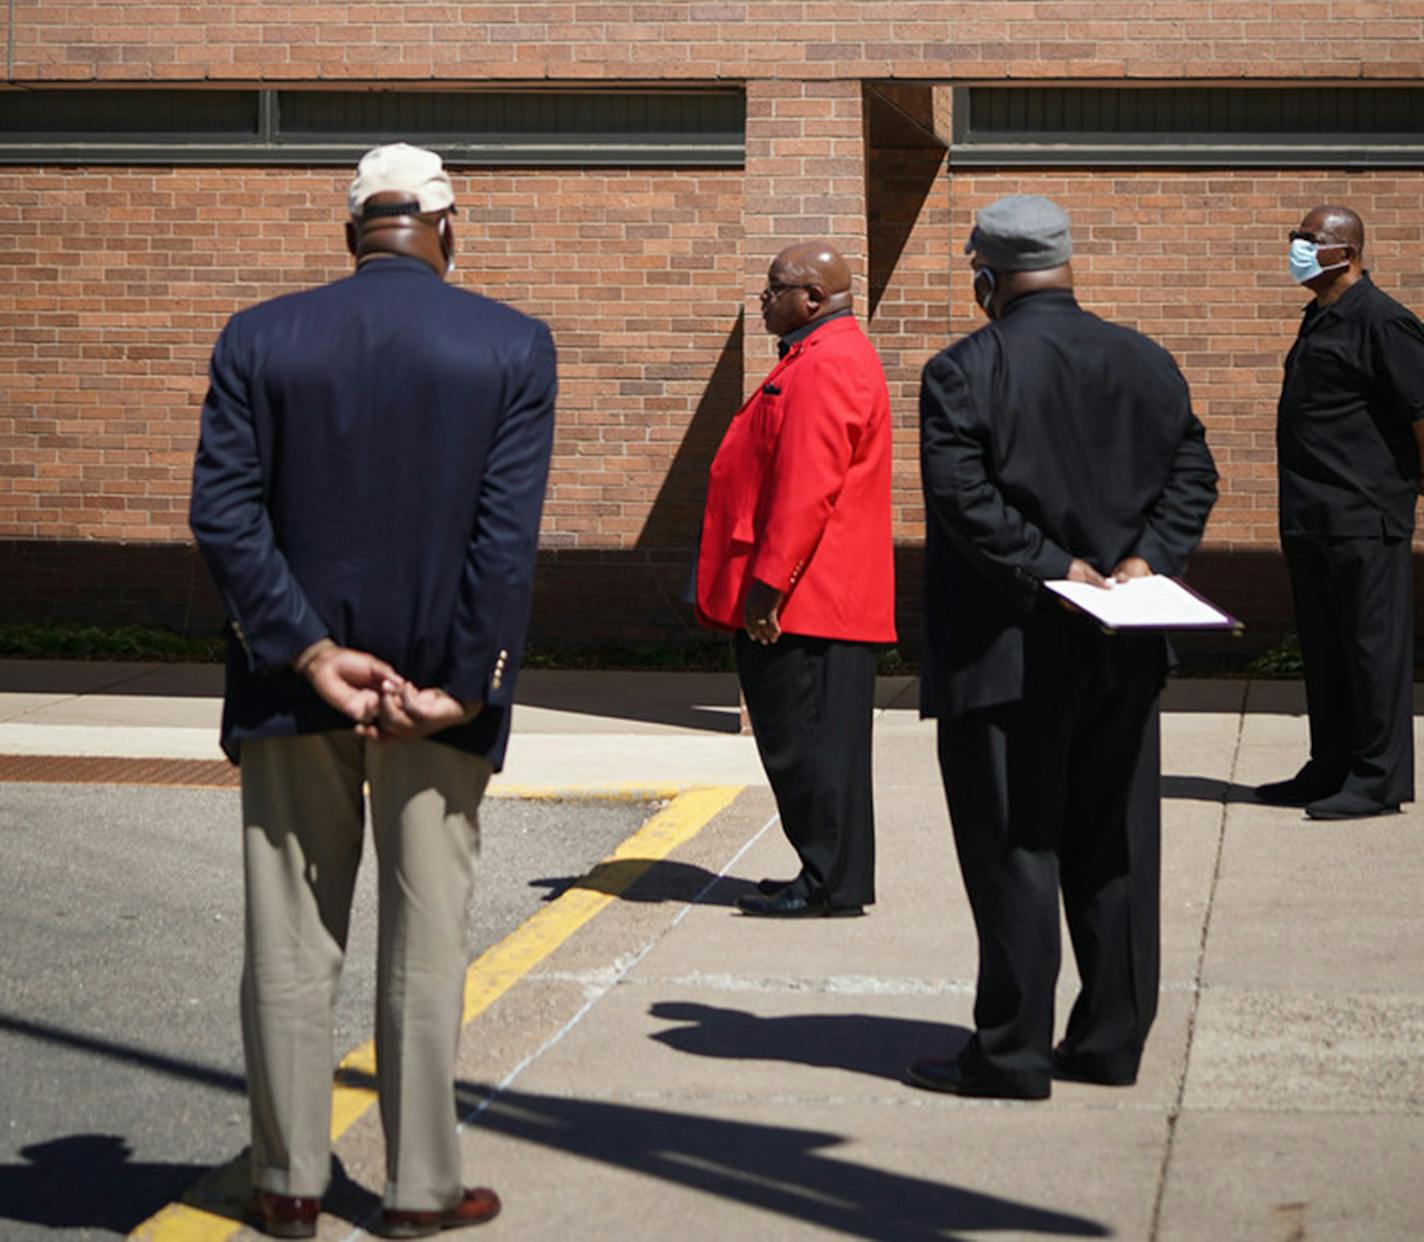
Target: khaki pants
x=303, y=826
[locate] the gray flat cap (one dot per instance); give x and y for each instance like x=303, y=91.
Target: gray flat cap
x=1021, y=233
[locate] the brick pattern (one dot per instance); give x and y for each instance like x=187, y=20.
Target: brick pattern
x=89, y=770
x=804, y=178
x=910, y=260
x=1197, y=260
x=635, y=40
x=119, y=281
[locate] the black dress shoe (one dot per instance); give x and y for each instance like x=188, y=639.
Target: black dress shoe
x=1075, y=1067
x=1345, y=805
x=769, y=888
x=283, y=1216
x=789, y=904
x=947, y=1075
x=1294, y=792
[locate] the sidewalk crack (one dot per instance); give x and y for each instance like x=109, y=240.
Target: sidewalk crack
x=1174, y=1112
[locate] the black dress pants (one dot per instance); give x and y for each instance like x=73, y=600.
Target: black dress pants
x=811, y=703
x=1062, y=790
x=1354, y=610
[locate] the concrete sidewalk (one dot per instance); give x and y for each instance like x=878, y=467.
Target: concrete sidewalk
x=674, y=1069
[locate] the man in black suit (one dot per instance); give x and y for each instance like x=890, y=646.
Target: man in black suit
x=1349, y=427
x=366, y=493
x=1053, y=445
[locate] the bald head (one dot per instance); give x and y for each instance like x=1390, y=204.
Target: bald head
x=816, y=262
x=1332, y=223
x=1339, y=237
x=806, y=281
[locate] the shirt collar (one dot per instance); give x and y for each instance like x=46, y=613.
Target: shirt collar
x=1315, y=314
x=783, y=346
x=1042, y=299
x=395, y=263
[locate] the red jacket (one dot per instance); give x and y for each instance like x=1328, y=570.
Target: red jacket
x=799, y=495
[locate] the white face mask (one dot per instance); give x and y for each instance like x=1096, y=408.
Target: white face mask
x=1305, y=262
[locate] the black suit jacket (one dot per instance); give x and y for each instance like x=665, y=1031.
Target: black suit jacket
x=1048, y=434
x=371, y=467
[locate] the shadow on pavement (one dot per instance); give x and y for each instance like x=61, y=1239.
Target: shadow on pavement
x=704, y=701
x=176, y=1067
x=643, y=879
x=773, y=1168
x=1206, y=789
x=881, y=1047
x=121, y=677
x=89, y=1181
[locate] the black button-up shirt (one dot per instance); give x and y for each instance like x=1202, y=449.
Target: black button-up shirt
x=783, y=346
x=1353, y=388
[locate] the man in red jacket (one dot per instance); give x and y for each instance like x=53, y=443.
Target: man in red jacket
x=796, y=557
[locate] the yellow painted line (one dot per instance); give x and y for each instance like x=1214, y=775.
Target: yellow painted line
x=490, y=975
x=585, y=793
x=498, y=968
x=349, y=1100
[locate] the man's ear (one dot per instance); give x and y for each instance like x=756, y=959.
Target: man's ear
x=816, y=294
x=351, y=238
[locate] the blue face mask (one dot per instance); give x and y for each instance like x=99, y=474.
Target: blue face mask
x=1304, y=263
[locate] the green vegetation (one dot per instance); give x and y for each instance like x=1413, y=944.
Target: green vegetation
x=698, y=657
x=93, y=642
x=1282, y=660
x=712, y=655
x=137, y=642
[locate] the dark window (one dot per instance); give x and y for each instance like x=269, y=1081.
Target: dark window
x=1300, y=125
x=158, y=126
x=126, y=116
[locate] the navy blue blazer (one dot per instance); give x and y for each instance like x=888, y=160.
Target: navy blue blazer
x=371, y=467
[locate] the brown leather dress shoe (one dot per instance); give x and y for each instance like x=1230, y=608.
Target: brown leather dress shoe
x=283, y=1216
x=478, y=1205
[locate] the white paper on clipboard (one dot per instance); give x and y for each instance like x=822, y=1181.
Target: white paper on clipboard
x=1152, y=603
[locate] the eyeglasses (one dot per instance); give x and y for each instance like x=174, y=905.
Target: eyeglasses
x=774, y=290
x=1305, y=235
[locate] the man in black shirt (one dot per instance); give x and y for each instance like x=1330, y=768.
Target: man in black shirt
x=1053, y=445
x=1348, y=431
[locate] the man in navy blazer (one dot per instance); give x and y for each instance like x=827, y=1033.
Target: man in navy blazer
x=366, y=493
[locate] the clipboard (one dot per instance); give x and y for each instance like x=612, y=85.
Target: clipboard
x=1155, y=602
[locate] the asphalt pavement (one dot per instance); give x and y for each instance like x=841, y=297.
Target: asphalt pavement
x=640, y=1061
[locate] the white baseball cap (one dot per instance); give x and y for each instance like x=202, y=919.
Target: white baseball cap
x=404, y=169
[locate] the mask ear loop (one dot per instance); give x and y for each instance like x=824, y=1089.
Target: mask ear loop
x=985, y=275
x=444, y=229
x=1335, y=267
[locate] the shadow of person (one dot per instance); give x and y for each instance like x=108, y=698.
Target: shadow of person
x=860, y=1043
x=1206, y=789
x=90, y=1181
x=705, y=702
x=645, y=879
x=767, y=1167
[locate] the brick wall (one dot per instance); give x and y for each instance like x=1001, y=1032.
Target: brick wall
x=115, y=281
x=119, y=280
x=1196, y=259
x=628, y=40
x=804, y=178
